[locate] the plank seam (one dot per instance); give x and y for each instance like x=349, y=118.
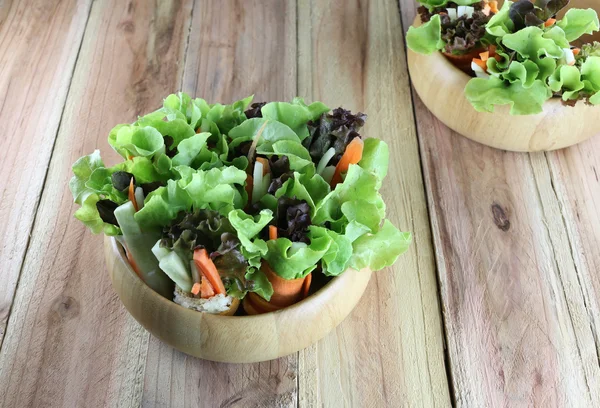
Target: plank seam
x=444, y=328
x=556, y=263
x=572, y=252
x=40, y=195
x=187, y=45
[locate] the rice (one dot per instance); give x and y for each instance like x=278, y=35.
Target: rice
x=216, y=304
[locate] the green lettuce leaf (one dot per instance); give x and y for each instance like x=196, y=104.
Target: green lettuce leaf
x=568, y=80
x=377, y=251
x=500, y=24
x=532, y=43
x=295, y=115
x=336, y=259
x=431, y=4
x=426, y=38
x=133, y=140
x=163, y=205
x=484, y=94
x=294, y=260
x=375, y=157
x=578, y=22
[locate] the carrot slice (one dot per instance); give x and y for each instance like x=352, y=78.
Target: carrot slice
x=132, y=195
x=285, y=292
x=306, y=285
x=206, y=289
x=352, y=155
x=195, y=289
x=209, y=270
x=485, y=56
x=481, y=63
x=550, y=22
x=265, y=163
x=576, y=51
x=493, y=6
x=272, y=232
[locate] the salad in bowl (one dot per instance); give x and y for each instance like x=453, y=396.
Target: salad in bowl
x=521, y=54
x=220, y=205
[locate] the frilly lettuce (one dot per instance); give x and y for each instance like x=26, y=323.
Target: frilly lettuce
x=578, y=22
x=426, y=38
x=431, y=4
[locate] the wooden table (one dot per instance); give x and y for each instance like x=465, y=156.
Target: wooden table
x=495, y=305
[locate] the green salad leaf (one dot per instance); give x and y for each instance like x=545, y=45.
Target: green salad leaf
x=426, y=38
x=578, y=22
x=377, y=251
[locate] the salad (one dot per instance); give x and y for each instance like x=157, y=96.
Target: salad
x=221, y=204
x=521, y=56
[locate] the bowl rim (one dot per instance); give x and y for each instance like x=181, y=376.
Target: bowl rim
x=118, y=250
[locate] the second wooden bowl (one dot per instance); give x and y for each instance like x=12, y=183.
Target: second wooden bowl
x=441, y=85
x=235, y=339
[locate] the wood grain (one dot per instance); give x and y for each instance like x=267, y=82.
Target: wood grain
x=519, y=301
x=69, y=341
x=390, y=351
x=33, y=85
x=233, y=52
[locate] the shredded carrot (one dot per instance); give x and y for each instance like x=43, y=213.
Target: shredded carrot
x=272, y=232
x=576, y=51
x=206, y=289
x=196, y=289
x=352, y=155
x=487, y=9
x=248, y=187
x=285, y=291
x=306, y=285
x=550, y=22
x=209, y=270
x=485, y=56
x=481, y=63
x=265, y=163
x=132, y=195
x=493, y=6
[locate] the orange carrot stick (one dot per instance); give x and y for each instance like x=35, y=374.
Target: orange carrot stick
x=265, y=163
x=481, y=63
x=132, y=195
x=493, y=6
x=306, y=285
x=352, y=155
x=195, y=289
x=550, y=22
x=206, y=289
x=576, y=51
x=285, y=292
x=485, y=56
x=272, y=232
x=209, y=270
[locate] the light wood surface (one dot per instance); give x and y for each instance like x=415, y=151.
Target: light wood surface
x=440, y=85
x=518, y=309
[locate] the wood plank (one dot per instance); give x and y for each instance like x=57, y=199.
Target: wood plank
x=389, y=352
x=39, y=41
x=233, y=52
x=69, y=341
x=518, y=302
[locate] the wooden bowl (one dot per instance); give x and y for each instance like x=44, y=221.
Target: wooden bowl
x=441, y=85
x=235, y=339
